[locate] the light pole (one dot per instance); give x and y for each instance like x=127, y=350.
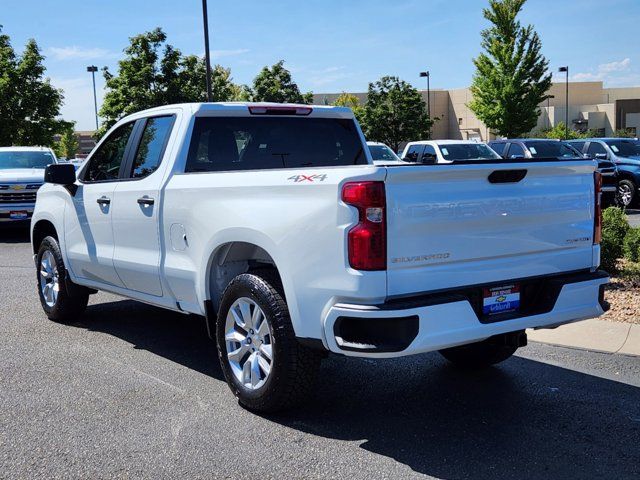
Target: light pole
x=93, y=69
x=548, y=107
x=205, y=20
x=566, y=113
x=428, y=75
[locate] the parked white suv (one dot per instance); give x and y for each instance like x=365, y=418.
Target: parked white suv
x=273, y=222
x=447, y=151
x=21, y=175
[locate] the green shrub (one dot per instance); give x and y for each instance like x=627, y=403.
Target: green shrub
x=631, y=245
x=614, y=229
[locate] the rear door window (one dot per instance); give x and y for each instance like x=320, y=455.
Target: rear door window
x=253, y=143
x=152, y=144
x=429, y=155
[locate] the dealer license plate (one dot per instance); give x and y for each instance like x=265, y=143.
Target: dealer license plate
x=503, y=299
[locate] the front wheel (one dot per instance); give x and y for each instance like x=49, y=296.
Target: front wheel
x=265, y=366
x=61, y=300
x=626, y=193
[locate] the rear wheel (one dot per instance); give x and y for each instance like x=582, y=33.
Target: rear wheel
x=626, y=193
x=265, y=366
x=485, y=353
x=61, y=300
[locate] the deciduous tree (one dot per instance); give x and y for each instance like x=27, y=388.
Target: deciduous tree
x=29, y=104
x=274, y=84
x=394, y=113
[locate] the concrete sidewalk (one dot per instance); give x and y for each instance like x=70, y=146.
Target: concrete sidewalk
x=595, y=335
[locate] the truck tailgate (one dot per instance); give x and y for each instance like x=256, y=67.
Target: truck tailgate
x=450, y=226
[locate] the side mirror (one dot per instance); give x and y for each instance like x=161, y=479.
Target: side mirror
x=601, y=156
x=60, y=174
x=514, y=157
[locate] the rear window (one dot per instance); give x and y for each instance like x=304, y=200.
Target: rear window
x=551, y=150
x=252, y=143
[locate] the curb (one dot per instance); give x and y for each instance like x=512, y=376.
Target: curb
x=594, y=335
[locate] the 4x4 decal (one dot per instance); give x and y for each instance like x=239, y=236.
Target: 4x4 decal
x=308, y=178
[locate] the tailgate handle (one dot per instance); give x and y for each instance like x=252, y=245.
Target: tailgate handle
x=507, y=176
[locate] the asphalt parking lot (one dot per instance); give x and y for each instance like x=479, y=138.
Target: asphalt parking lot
x=133, y=391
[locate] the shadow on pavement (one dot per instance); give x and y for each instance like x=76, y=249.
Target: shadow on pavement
x=174, y=336
x=523, y=419
x=15, y=232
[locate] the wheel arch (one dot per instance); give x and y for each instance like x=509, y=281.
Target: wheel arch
x=41, y=229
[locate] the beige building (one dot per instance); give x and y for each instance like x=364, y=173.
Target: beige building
x=591, y=106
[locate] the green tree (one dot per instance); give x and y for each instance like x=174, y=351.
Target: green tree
x=154, y=73
x=29, y=104
x=559, y=131
x=351, y=101
x=274, y=84
x=68, y=145
x=622, y=133
x=394, y=113
x=512, y=76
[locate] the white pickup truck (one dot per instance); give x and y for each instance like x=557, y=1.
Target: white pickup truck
x=273, y=222
x=21, y=175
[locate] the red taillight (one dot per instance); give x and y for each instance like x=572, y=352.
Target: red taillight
x=597, y=224
x=279, y=110
x=368, y=239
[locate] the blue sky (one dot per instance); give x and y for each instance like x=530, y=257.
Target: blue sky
x=328, y=45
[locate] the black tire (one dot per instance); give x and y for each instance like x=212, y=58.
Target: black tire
x=478, y=355
x=626, y=193
x=71, y=299
x=294, y=367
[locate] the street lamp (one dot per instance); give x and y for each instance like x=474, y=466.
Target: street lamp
x=566, y=123
x=205, y=20
x=548, y=107
x=93, y=69
x=422, y=75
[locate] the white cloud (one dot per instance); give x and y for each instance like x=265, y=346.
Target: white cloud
x=228, y=53
x=609, y=72
x=79, y=53
x=78, y=100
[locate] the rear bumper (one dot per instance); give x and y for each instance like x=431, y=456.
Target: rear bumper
x=446, y=319
x=6, y=209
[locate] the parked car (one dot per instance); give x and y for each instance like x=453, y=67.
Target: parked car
x=536, y=148
x=624, y=154
x=273, y=223
x=519, y=148
x=21, y=175
x=382, y=154
x=447, y=151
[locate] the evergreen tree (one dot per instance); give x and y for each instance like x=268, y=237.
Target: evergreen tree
x=512, y=76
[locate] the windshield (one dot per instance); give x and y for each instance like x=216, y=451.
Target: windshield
x=382, y=152
x=467, y=151
x=22, y=159
x=625, y=148
x=551, y=149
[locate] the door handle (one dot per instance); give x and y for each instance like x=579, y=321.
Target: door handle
x=146, y=201
x=103, y=201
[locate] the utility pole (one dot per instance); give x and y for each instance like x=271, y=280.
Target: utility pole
x=207, y=58
x=566, y=113
x=93, y=69
x=428, y=75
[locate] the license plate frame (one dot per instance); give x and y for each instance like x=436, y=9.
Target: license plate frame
x=501, y=299
x=18, y=215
